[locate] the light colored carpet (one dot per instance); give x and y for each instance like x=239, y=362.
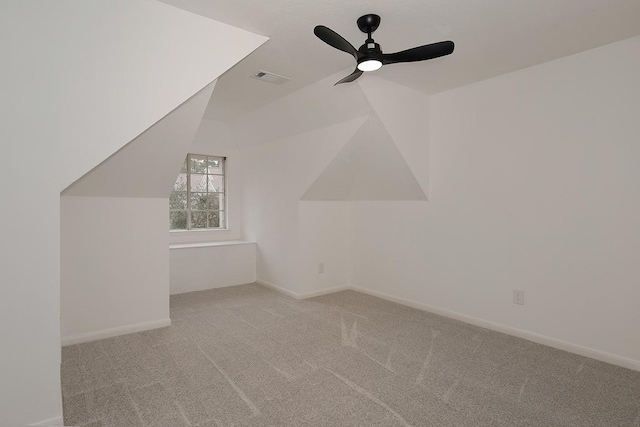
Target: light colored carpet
x=247, y=356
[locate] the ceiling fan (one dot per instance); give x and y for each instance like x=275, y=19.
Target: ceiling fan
x=369, y=56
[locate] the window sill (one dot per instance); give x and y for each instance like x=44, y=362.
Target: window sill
x=199, y=230
x=210, y=244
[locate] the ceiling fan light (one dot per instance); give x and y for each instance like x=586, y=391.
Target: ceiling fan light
x=369, y=65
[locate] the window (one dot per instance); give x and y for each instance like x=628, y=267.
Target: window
x=198, y=197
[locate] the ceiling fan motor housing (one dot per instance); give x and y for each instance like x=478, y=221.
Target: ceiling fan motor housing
x=370, y=47
x=370, y=50
x=368, y=23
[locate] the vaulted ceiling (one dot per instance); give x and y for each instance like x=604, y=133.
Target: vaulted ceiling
x=492, y=37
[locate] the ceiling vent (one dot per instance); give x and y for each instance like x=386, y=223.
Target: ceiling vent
x=270, y=77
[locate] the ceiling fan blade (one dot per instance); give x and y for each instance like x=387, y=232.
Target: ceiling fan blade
x=420, y=53
x=351, y=77
x=334, y=39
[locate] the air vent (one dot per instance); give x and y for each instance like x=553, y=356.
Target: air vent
x=270, y=77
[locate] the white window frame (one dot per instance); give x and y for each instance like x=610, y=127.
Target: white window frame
x=223, y=211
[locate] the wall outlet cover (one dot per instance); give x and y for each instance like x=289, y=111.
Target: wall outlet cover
x=518, y=297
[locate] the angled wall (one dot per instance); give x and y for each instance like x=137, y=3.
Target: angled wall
x=339, y=145
x=79, y=81
x=147, y=166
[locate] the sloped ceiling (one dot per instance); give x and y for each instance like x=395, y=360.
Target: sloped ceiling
x=313, y=107
x=492, y=37
x=148, y=165
x=403, y=112
x=378, y=160
x=118, y=67
x=369, y=167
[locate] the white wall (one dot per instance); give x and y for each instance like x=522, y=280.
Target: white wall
x=208, y=267
x=533, y=186
x=79, y=80
x=323, y=233
x=30, y=265
x=114, y=265
x=276, y=176
x=132, y=185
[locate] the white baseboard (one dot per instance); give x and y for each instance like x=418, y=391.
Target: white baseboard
x=52, y=422
x=175, y=291
x=530, y=336
x=278, y=288
x=113, y=332
x=326, y=291
x=305, y=295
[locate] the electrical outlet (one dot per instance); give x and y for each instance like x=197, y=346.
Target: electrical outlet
x=518, y=297
x=321, y=267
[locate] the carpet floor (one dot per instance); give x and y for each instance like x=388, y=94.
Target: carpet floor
x=248, y=356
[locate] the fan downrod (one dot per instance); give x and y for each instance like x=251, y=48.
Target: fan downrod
x=368, y=23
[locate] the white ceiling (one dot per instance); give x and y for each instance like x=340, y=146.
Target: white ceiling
x=492, y=37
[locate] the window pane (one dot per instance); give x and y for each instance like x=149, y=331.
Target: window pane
x=198, y=164
x=198, y=219
x=178, y=220
x=216, y=165
x=216, y=183
x=198, y=182
x=178, y=200
x=215, y=201
x=181, y=182
x=214, y=219
x=198, y=201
